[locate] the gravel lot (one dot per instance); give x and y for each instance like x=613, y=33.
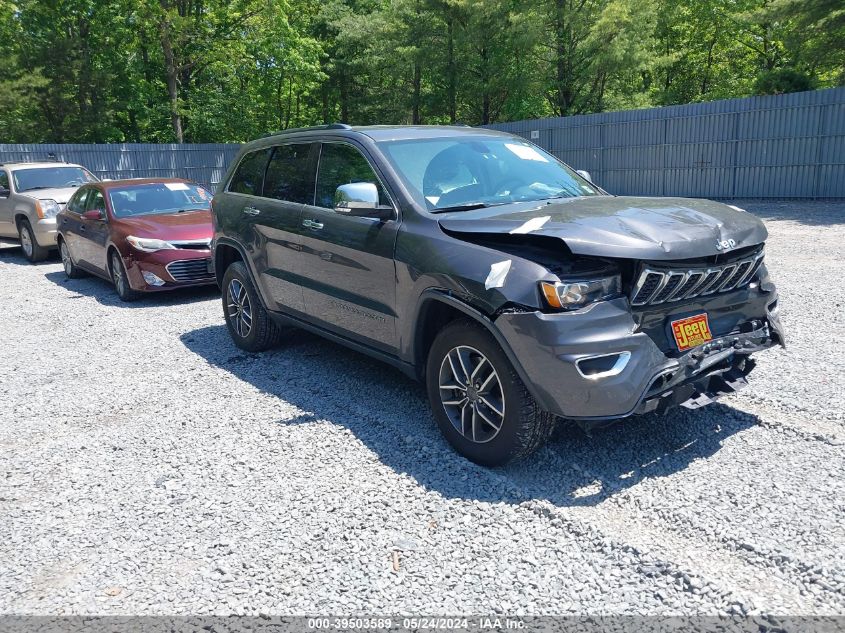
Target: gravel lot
x=147, y=466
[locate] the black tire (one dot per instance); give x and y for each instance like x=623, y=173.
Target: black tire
x=249, y=325
x=31, y=250
x=523, y=428
x=71, y=270
x=120, y=279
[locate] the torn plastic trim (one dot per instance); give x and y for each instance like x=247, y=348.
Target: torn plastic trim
x=703, y=358
x=498, y=274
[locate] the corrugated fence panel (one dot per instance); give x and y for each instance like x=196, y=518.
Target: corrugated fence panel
x=203, y=163
x=783, y=146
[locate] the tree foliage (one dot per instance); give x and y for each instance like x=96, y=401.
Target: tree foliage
x=219, y=70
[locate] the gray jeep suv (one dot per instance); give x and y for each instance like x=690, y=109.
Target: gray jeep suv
x=516, y=289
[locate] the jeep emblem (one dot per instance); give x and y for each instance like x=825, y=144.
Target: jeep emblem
x=723, y=245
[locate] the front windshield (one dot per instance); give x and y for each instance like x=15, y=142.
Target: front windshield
x=158, y=197
x=442, y=173
x=51, y=178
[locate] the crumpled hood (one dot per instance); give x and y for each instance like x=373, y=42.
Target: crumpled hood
x=59, y=195
x=622, y=226
x=186, y=226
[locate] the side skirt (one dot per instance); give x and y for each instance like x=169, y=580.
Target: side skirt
x=287, y=320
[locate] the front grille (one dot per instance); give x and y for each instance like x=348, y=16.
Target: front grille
x=190, y=269
x=659, y=286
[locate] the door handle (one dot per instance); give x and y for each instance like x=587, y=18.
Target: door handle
x=312, y=224
x=251, y=211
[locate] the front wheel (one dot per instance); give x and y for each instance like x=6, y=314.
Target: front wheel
x=248, y=323
x=31, y=250
x=120, y=278
x=479, y=401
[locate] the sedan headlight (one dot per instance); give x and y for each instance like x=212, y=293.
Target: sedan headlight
x=570, y=295
x=48, y=208
x=148, y=245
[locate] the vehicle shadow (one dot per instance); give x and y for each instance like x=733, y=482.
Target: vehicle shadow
x=104, y=292
x=389, y=413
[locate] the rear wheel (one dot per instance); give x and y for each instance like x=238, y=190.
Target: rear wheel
x=249, y=324
x=120, y=279
x=479, y=401
x=31, y=250
x=71, y=269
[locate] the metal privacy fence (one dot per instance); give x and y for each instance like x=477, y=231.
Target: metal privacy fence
x=784, y=146
x=204, y=164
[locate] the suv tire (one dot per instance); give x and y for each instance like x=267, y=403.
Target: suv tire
x=31, y=250
x=495, y=396
x=249, y=325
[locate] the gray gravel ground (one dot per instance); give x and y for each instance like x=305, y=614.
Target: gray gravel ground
x=147, y=466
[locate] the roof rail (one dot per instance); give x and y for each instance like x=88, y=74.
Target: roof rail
x=33, y=161
x=312, y=128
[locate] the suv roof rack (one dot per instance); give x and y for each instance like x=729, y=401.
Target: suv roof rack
x=51, y=158
x=311, y=128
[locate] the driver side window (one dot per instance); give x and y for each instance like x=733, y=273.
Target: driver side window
x=4, y=179
x=77, y=202
x=341, y=165
x=95, y=201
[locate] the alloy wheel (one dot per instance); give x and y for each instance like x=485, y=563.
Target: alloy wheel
x=471, y=394
x=117, y=274
x=26, y=241
x=67, y=262
x=239, y=308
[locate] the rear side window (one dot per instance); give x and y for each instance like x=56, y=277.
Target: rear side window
x=341, y=165
x=290, y=174
x=249, y=176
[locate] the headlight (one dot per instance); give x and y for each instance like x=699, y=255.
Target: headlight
x=569, y=295
x=148, y=245
x=48, y=208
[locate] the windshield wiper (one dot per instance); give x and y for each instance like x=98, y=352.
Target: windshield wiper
x=467, y=206
x=36, y=188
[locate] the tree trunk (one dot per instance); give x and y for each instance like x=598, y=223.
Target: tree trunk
x=172, y=73
x=344, y=96
x=416, y=119
x=452, y=89
x=564, y=94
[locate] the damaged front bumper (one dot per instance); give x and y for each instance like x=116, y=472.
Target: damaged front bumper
x=597, y=364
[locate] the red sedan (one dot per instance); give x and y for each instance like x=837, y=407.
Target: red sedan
x=144, y=235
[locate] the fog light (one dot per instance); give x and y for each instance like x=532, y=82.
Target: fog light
x=152, y=279
x=603, y=366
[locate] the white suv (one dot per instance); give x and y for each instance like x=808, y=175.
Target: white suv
x=31, y=195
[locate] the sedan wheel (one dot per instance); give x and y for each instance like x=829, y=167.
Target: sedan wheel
x=67, y=261
x=121, y=282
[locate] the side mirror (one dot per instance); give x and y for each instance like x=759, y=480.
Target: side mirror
x=94, y=214
x=4, y=192
x=360, y=199
x=584, y=174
